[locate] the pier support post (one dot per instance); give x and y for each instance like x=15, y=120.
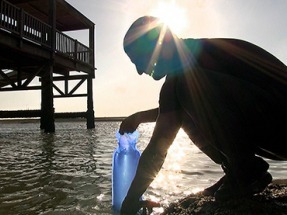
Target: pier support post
x=90, y=112
x=47, y=104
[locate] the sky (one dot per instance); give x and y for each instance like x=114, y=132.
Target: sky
x=117, y=89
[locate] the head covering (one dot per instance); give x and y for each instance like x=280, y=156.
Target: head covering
x=142, y=37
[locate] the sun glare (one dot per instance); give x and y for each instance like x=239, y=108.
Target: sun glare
x=172, y=15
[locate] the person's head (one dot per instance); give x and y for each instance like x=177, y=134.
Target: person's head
x=150, y=45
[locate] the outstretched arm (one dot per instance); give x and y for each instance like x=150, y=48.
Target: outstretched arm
x=131, y=123
x=167, y=126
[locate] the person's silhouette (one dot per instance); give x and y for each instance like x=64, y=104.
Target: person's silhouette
x=229, y=96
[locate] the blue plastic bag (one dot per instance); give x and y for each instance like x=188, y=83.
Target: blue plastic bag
x=125, y=161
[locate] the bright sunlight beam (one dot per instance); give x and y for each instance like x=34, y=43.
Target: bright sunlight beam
x=171, y=14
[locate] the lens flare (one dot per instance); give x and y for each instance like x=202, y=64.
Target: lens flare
x=172, y=15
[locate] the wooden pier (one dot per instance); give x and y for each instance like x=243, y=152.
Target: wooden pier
x=33, y=44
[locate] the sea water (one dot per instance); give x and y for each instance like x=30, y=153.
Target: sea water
x=69, y=172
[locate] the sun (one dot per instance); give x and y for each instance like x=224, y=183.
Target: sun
x=172, y=15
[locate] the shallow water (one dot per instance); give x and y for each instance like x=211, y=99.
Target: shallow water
x=69, y=172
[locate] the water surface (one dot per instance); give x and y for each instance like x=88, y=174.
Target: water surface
x=69, y=172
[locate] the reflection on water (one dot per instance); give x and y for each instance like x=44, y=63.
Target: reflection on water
x=183, y=172
x=69, y=172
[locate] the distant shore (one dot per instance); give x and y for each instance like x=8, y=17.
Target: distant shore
x=31, y=120
x=110, y=118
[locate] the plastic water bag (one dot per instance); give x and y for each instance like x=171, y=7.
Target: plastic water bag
x=125, y=161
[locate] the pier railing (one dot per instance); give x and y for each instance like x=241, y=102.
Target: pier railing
x=16, y=21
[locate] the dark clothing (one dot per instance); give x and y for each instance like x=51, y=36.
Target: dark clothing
x=233, y=97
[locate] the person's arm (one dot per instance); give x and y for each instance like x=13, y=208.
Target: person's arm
x=151, y=161
x=131, y=123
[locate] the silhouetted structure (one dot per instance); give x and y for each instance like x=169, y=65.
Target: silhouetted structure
x=33, y=44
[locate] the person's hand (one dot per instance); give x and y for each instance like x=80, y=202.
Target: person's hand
x=129, y=124
x=131, y=208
